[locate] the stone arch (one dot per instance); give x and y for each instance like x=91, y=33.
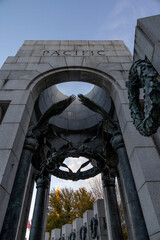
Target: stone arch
x=30, y=62
x=82, y=74
x=55, y=76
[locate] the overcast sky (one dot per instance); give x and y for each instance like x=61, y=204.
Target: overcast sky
x=70, y=20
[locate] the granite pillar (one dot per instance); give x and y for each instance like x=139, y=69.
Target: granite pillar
x=66, y=230
x=77, y=224
x=112, y=213
x=38, y=221
x=138, y=226
x=55, y=234
x=10, y=224
x=46, y=235
x=99, y=214
x=87, y=216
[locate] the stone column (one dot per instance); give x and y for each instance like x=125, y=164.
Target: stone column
x=112, y=213
x=77, y=224
x=99, y=214
x=66, y=230
x=55, y=234
x=139, y=230
x=23, y=220
x=128, y=223
x=11, y=220
x=38, y=224
x=86, y=222
x=46, y=236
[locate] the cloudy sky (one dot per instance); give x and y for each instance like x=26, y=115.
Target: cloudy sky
x=70, y=20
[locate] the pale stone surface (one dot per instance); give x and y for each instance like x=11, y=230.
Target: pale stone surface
x=66, y=230
x=17, y=114
x=14, y=66
x=4, y=198
x=23, y=75
x=47, y=236
x=55, y=234
x=74, y=61
x=4, y=74
x=77, y=224
x=8, y=164
x=124, y=115
x=41, y=67
x=13, y=137
x=54, y=61
x=149, y=194
x=155, y=236
x=24, y=53
x=107, y=67
x=92, y=62
x=119, y=59
x=99, y=214
x=11, y=60
x=133, y=139
x=123, y=53
x=86, y=221
x=146, y=165
x=126, y=66
x=28, y=59
x=16, y=84
x=147, y=40
x=120, y=97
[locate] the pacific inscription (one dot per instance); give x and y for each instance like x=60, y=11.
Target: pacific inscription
x=73, y=53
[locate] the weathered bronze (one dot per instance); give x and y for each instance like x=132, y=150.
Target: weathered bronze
x=83, y=233
x=143, y=75
x=97, y=159
x=72, y=236
x=93, y=227
x=39, y=214
x=111, y=206
x=42, y=128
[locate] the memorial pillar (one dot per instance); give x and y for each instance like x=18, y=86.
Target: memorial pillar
x=112, y=213
x=38, y=221
x=11, y=220
x=55, y=234
x=77, y=224
x=138, y=225
x=66, y=230
x=46, y=236
x=87, y=216
x=99, y=214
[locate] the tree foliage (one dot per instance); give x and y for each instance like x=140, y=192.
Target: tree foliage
x=67, y=204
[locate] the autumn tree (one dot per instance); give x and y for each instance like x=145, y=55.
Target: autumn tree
x=67, y=204
x=96, y=188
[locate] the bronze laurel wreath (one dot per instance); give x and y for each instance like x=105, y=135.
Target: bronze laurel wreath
x=143, y=75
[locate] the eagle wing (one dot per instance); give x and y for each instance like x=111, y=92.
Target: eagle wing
x=54, y=110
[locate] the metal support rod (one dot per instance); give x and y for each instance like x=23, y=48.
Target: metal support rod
x=139, y=229
x=112, y=213
x=38, y=224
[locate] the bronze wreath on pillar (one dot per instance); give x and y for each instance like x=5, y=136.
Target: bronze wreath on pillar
x=143, y=75
x=93, y=227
